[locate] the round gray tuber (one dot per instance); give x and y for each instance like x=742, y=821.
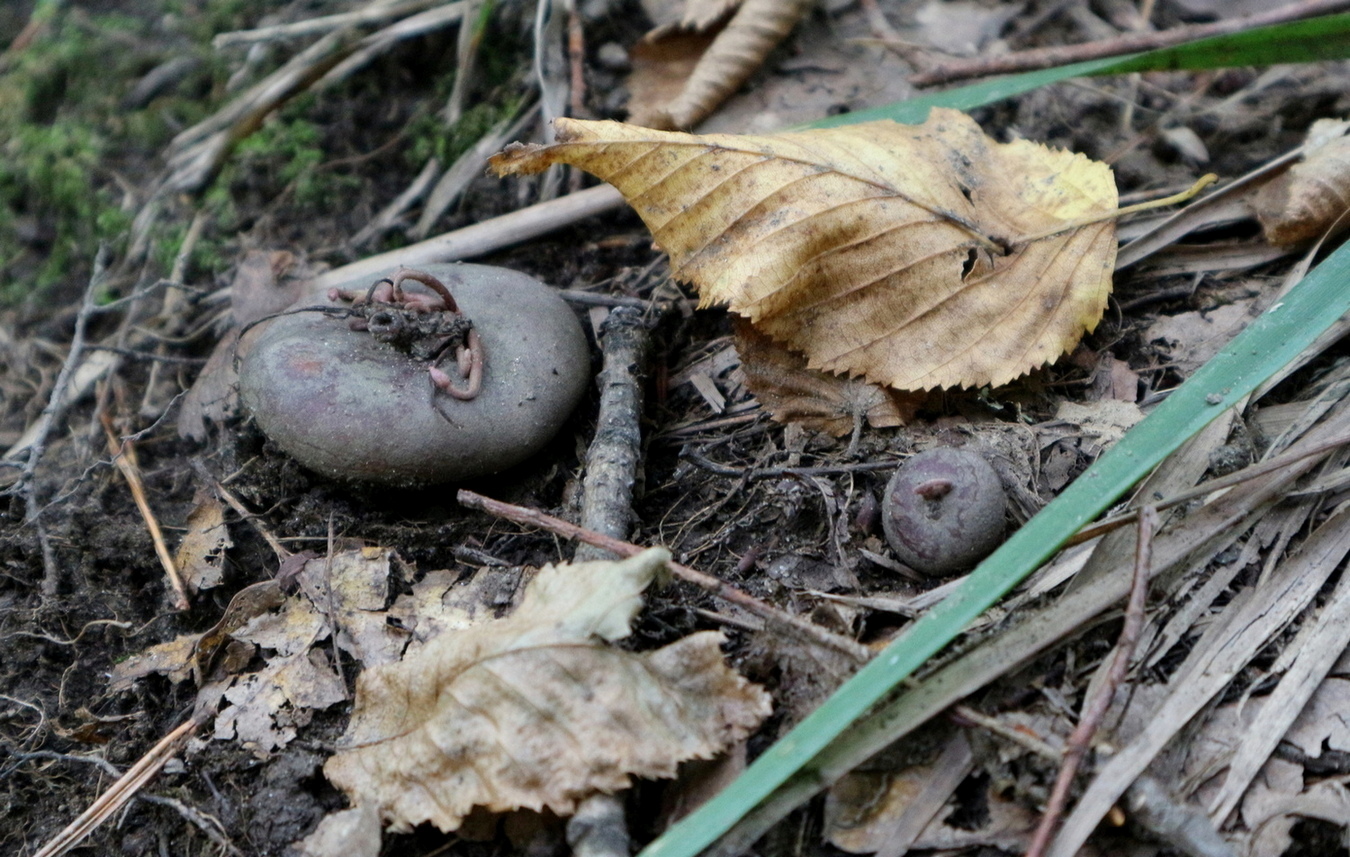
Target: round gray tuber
x=351, y=405
x=943, y=510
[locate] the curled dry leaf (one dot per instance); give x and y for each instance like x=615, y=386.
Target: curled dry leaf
x=917, y=256
x=534, y=711
x=201, y=554
x=735, y=52
x=1313, y=197
x=793, y=393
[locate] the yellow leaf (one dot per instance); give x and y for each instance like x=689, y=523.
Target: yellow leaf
x=907, y=254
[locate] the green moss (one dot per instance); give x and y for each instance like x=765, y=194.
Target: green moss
x=63, y=133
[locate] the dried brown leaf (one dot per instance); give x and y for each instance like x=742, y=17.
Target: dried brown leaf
x=661, y=67
x=1313, y=197
x=266, y=282
x=736, y=52
x=179, y=657
x=346, y=593
x=534, y=711
x=917, y=256
x=793, y=393
x=201, y=554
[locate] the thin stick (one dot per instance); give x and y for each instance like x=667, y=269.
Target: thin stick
x=53, y=413
x=121, y=791
x=369, y=15
x=483, y=237
x=1129, y=43
x=124, y=456
x=718, y=588
x=1279, y=462
x=1094, y=711
x=244, y=512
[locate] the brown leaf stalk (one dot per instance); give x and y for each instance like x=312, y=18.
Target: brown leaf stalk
x=719, y=588
x=124, y=456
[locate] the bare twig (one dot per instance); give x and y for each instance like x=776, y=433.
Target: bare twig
x=1204, y=489
x=611, y=461
x=785, y=621
x=52, y=414
x=123, y=790
x=483, y=237
x=1129, y=43
x=373, y=13
x=124, y=456
x=1094, y=710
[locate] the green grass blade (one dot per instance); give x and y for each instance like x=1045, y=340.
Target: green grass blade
x=1270, y=342
x=1324, y=38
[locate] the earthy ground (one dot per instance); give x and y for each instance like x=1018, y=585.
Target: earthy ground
x=83, y=590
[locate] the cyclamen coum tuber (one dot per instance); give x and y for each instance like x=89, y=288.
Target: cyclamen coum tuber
x=943, y=510
x=404, y=383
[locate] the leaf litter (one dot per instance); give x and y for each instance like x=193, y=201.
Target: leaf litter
x=501, y=714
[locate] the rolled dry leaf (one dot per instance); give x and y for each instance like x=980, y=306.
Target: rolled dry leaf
x=755, y=30
x=1313, y=197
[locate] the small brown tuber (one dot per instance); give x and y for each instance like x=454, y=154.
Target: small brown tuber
x=943, y=510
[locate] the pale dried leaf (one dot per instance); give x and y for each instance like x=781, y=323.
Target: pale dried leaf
x=902, y=253
x=1313, y=197
x=351, y=832
x=533, y=711
x=201, y=554
x=1106, y=419
x=266, y=707
x=177, y=658
x=347, y=591
x=793, y=393
x=172, y=658
x=352, y=588
x=735, y=54
x=1192, y=338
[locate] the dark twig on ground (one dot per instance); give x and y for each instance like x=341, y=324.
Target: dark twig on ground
x=784, y=621
x=1065, y=54
x=612, y=460
x=1094, y=710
